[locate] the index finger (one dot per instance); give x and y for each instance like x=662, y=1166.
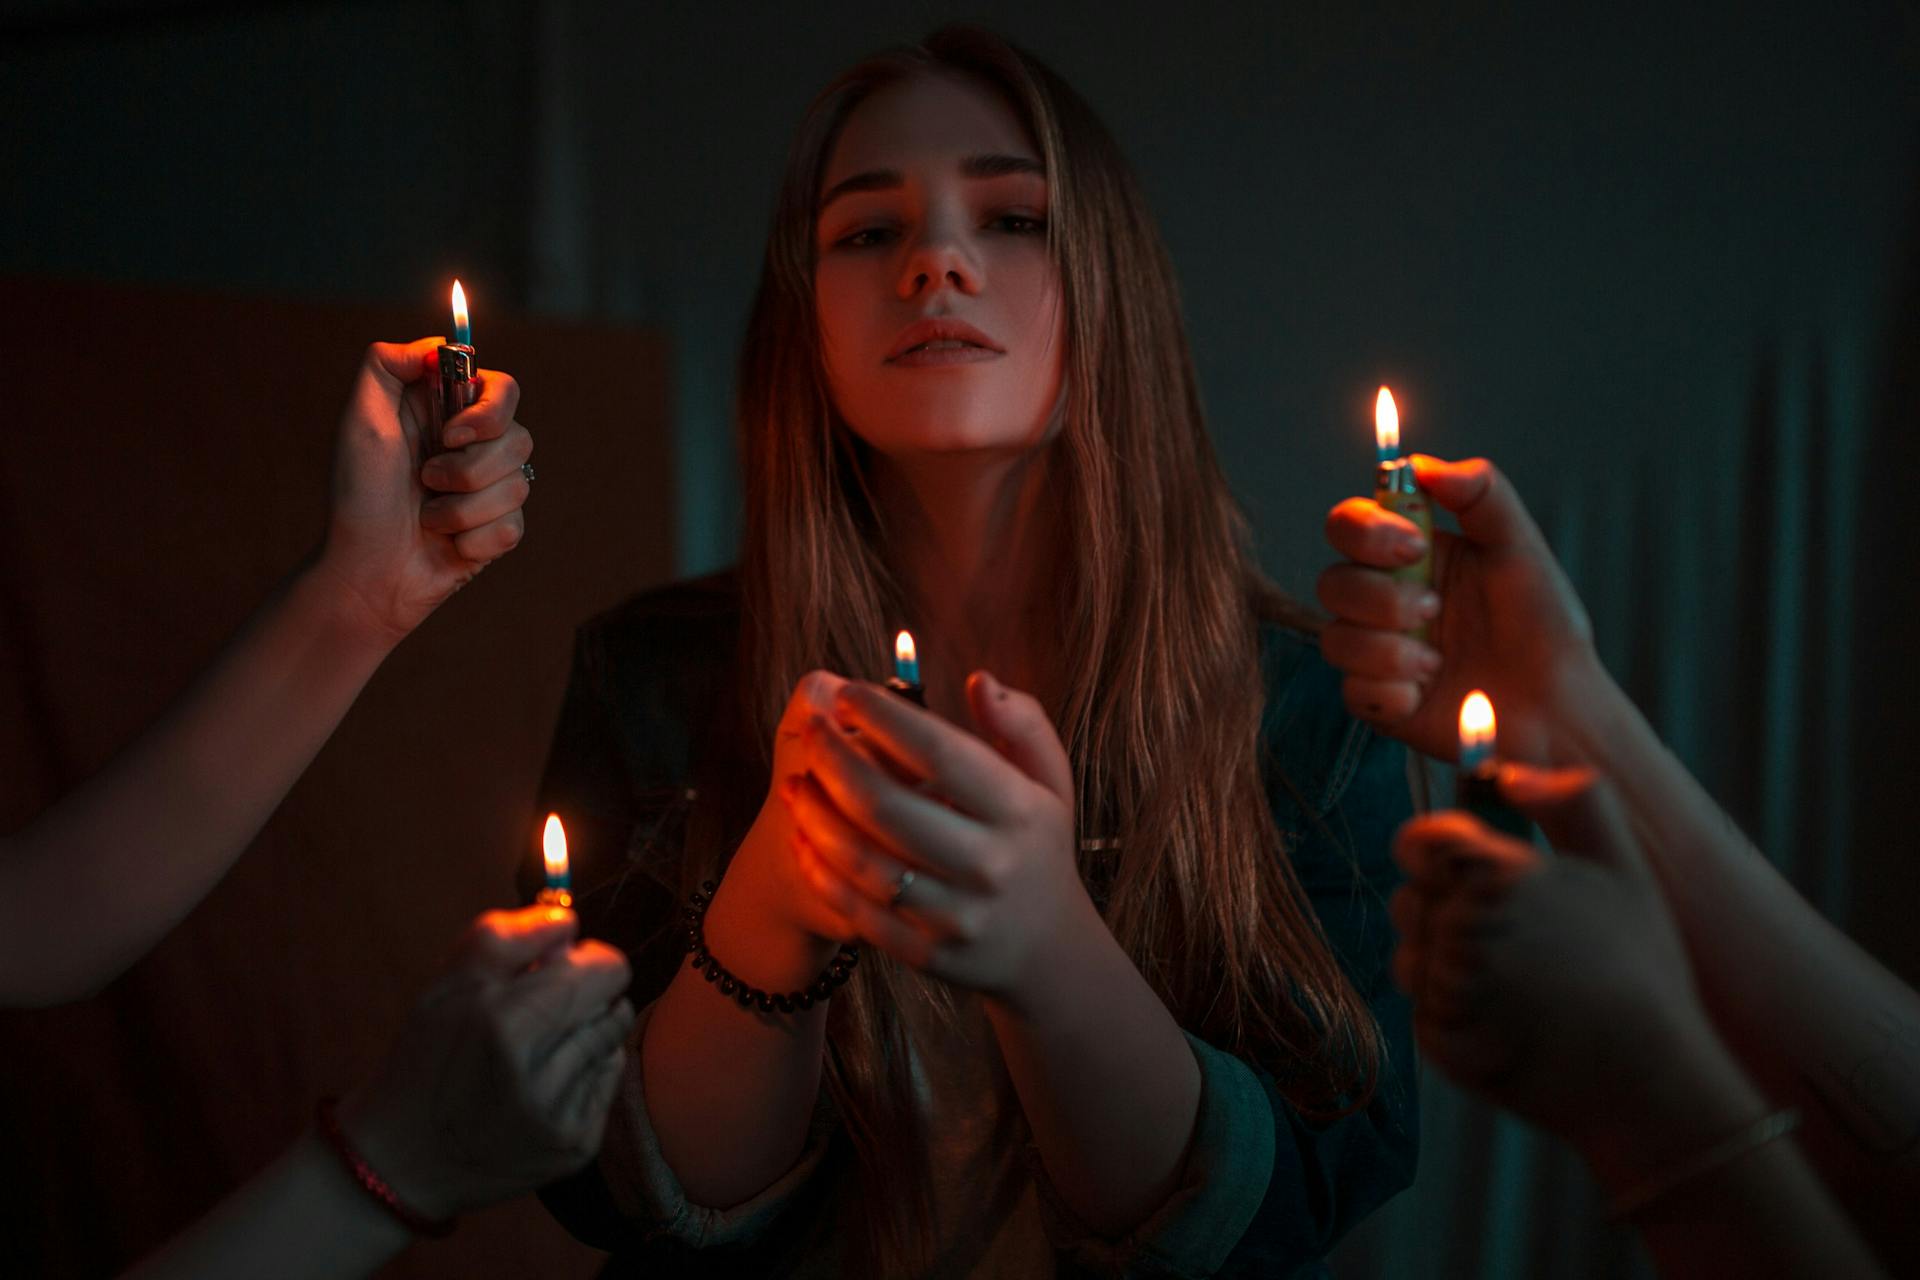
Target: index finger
x=961, y=767
x=1365, y=532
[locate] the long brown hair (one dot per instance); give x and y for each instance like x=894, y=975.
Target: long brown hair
x=1161, y=705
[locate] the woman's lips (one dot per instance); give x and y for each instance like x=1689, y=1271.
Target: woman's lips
x=941, y=340
x=943, y=354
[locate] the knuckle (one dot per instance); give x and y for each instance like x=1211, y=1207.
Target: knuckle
x=1326, y=587
x=814, y=689
x=452, y=472
x=1406, y=605
x=1336, y=643
x=940, y=760
x=969, y=923
x=841, y=897
x=488, y=933
x=997, y=868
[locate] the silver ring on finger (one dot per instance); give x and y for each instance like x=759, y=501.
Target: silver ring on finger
x=900, y=887
x=526, y=472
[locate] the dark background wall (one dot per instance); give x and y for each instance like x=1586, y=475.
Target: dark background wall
x=1657, y=260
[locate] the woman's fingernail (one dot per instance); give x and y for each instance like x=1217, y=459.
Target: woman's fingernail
x=1428, y=606
x=1428, y=663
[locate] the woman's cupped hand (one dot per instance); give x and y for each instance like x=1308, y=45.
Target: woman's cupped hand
x=406, y=531
x=952, y=851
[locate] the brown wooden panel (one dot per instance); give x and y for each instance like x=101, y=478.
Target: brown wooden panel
x=165, y=465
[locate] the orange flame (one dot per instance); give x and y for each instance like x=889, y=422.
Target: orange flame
x=553, y=843
x=1476, y=726
x=903, y=650
x=1386, y=424
x=459, y=306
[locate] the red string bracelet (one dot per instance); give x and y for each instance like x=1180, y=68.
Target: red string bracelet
x=374, y=1185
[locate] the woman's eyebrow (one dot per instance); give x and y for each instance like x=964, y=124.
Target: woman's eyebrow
x=982, y=166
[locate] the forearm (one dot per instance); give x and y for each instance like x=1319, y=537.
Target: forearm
x=302, y=1217
x=1814, y=1019
x=1759, y=1212
x=134, y=848
x=730, y=1092
x=1108, y=1083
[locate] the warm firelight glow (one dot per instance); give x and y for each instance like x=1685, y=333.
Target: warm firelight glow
x=1476, y=730
x=460, y=324
x=903, y=651
x=1386, y=424
x=553, y=842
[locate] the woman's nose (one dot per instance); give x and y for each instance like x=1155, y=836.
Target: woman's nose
x=938, y=261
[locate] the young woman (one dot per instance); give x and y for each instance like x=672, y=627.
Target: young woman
x=1121, y=998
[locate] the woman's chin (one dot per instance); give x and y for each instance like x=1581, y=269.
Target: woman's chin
x=947, y=437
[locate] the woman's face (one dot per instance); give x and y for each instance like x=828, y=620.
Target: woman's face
x=939, y=308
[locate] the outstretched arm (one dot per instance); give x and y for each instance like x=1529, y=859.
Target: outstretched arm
x=1559, y=987
x=133, y=849
x=499, y=1083
x=1813, y=1019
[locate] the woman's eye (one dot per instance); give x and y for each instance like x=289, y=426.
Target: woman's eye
x=1019, y=224
x=865, y=238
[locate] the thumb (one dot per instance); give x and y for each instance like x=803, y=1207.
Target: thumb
x=401, y=363
x=1017, y=726
x=1576, y=809
x=1481, y=499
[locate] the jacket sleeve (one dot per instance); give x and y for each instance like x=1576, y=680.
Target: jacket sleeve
x=1266, y=1191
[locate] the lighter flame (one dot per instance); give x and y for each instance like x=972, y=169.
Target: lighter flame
x=903, y=650
x=553, y=843
x=1476, y=724
x=1386, y=424
x=459, y=306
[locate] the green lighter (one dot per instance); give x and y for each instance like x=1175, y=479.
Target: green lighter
x=1396, y=488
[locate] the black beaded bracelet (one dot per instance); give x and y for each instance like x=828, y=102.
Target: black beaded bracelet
x=838, y=970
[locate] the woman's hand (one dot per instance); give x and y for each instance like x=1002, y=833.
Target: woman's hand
x=403, y=536
x=501, y=1080
x=1501, y=617
x=781, y=896
x=953, y=855
x=1557, y=987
